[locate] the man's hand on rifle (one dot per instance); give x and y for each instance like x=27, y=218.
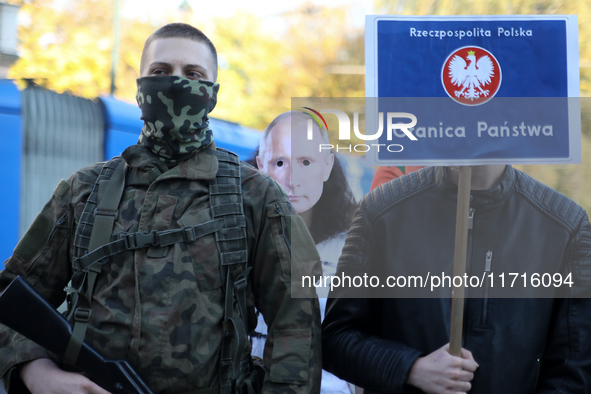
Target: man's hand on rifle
x=43, y=376
x=442, y=373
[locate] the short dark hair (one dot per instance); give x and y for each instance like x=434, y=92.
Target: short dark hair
x=181, y=30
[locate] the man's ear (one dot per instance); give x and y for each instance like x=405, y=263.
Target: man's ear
x=328, y=167
x=259, y=166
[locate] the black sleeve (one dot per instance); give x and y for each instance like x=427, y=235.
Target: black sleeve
x=352, y=345
x=566, y=365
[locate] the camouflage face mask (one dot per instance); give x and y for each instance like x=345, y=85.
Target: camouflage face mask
x=174, y=111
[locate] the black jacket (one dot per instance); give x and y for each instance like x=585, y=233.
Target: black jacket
x=522, y=345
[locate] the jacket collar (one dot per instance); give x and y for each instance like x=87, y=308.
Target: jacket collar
x=146, y=167
x=477, y=197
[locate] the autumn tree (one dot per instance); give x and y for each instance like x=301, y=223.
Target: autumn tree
x=261, y=70
x=66, y=46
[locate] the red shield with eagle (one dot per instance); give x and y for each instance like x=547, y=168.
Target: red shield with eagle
x=471, y=75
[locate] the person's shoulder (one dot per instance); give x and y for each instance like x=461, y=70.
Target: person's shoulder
x=548, y=201
x=257, y=183
x=81, y=182
x=90, y=172
x=252, y=178
x=398, y=190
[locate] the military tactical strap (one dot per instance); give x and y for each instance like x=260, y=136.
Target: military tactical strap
x=131, y=241
x=105, y=215
x=96, y=225
x=106, y=211
x=226, y=202
x=84, y=230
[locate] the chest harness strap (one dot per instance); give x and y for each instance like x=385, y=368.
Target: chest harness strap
x=95, y=234
x=95, y=226
x=226, y=204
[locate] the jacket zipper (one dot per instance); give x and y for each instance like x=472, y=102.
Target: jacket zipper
x=538, y=367
x=487, y=269
x=468, y=301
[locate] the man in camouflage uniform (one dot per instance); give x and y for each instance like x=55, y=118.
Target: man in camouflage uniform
x=162, y=307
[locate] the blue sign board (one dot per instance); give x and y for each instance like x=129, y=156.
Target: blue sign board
x=482, y=90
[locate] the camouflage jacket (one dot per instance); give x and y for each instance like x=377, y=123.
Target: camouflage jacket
x=162, y=308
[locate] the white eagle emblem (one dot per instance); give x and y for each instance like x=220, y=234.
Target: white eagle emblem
x=471, y=77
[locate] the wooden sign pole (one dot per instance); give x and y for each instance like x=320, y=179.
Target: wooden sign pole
x=460, y=251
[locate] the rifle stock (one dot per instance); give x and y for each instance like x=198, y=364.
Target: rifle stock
x=26, y=312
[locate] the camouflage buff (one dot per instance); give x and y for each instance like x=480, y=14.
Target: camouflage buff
x=161, y=308
x=174, y=111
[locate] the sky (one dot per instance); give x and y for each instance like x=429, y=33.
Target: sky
x=270, y=10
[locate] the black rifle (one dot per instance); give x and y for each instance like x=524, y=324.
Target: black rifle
x=26, y=312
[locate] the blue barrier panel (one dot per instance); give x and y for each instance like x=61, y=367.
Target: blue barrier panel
x=11, y=153
x=122, y=125
x=234, y=137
